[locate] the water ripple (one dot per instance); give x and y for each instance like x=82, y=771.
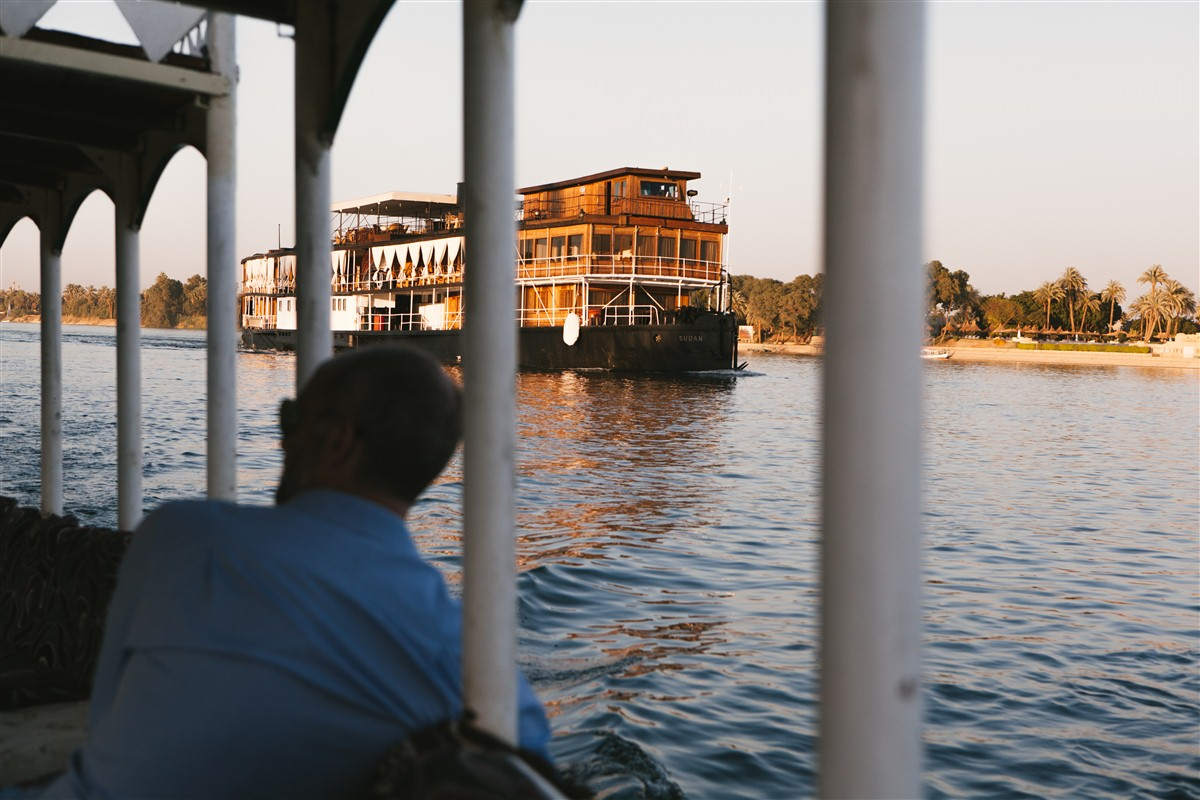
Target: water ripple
x=667, y=548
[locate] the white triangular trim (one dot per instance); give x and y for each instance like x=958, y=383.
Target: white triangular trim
x=157, y=25
x=16, y=18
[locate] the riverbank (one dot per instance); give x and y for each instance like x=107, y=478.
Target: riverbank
x=187, y=323
x=986, y=351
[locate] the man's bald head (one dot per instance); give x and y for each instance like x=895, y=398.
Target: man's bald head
x=380, y=422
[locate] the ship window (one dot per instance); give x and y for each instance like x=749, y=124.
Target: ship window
x=624, y=244
x=618, y=188
x=527, y=248
x=666, y=247
x=687, y=249
x=575, y=244
x=602, y=244
x=646, y=245
x=539, y=248
x=558, y=246
x=660, y=189
x=708, y=251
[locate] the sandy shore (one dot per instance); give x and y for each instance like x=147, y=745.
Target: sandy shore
x=986, y=351
x=34, y=318
x=188, y=323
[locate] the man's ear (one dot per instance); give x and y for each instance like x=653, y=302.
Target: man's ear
x=341, y=445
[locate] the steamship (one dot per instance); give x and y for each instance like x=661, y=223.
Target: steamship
x=620, y=270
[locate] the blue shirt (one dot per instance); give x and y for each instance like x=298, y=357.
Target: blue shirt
x=270, y=652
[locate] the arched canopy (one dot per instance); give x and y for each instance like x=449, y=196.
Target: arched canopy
x=76, y=112
x=75, y=108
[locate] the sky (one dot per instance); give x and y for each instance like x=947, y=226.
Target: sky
x=1057, y=134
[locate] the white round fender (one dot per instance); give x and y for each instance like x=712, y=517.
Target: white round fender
x=571, y=329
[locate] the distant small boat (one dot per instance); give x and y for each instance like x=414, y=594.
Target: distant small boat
x=934, y=352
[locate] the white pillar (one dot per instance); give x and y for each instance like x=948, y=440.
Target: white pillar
x=221, y=311
x=129, y=357
x=314, y=339
x=870, y=729
x=489, y=369
x=51, y=342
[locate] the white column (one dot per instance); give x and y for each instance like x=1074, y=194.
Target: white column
x=489, y=366
x=870, y=729
x=51, y=343
x=221, y=155
x=129, y=357
x=314, y=339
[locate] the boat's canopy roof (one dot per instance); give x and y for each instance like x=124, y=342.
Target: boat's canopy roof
x=399, y=204
x=664, y=174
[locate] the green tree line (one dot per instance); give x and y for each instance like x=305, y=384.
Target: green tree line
x=1067, y=306
x=167, y=303
x=776, y=309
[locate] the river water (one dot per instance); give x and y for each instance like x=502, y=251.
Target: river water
x=668, y=535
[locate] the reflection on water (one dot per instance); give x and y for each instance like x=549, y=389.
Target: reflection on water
x=668, y=542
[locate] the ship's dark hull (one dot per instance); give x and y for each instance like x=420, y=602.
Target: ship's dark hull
x=709, y=342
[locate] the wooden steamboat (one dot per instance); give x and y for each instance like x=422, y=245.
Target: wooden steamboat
x=620, y=270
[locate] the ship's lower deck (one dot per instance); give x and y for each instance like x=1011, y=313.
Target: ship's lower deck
x=708, y=342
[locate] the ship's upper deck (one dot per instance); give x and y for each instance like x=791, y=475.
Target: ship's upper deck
x=617, y=196
x=394, y=216
x=626, y=191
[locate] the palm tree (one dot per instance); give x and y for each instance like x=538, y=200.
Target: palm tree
x=1153, y=276
x=738, y=303
x=1140, y=308
x=1114, y=293
x=1046, y=294
x=1073, y=284
x=1089, y=305
x=1182, y=301
x=1150, y=306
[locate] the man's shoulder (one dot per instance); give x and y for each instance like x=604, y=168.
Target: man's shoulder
x=190, y=524
x=189, y=516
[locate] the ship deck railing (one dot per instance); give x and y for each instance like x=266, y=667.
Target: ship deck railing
x=585, y=205
x=385, y=281
x=389, y=229
x=593, y=315
x=389, y=320
x=258, y=321
x=587, y=267
x=625, y=265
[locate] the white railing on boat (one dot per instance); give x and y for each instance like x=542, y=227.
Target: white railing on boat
x=387, y=320
x=580, y=267
x=259, y=321
x=593, y=266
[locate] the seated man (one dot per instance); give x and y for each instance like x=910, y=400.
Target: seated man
x=280, y=651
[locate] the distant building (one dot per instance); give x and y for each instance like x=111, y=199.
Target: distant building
x=1186, y=345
